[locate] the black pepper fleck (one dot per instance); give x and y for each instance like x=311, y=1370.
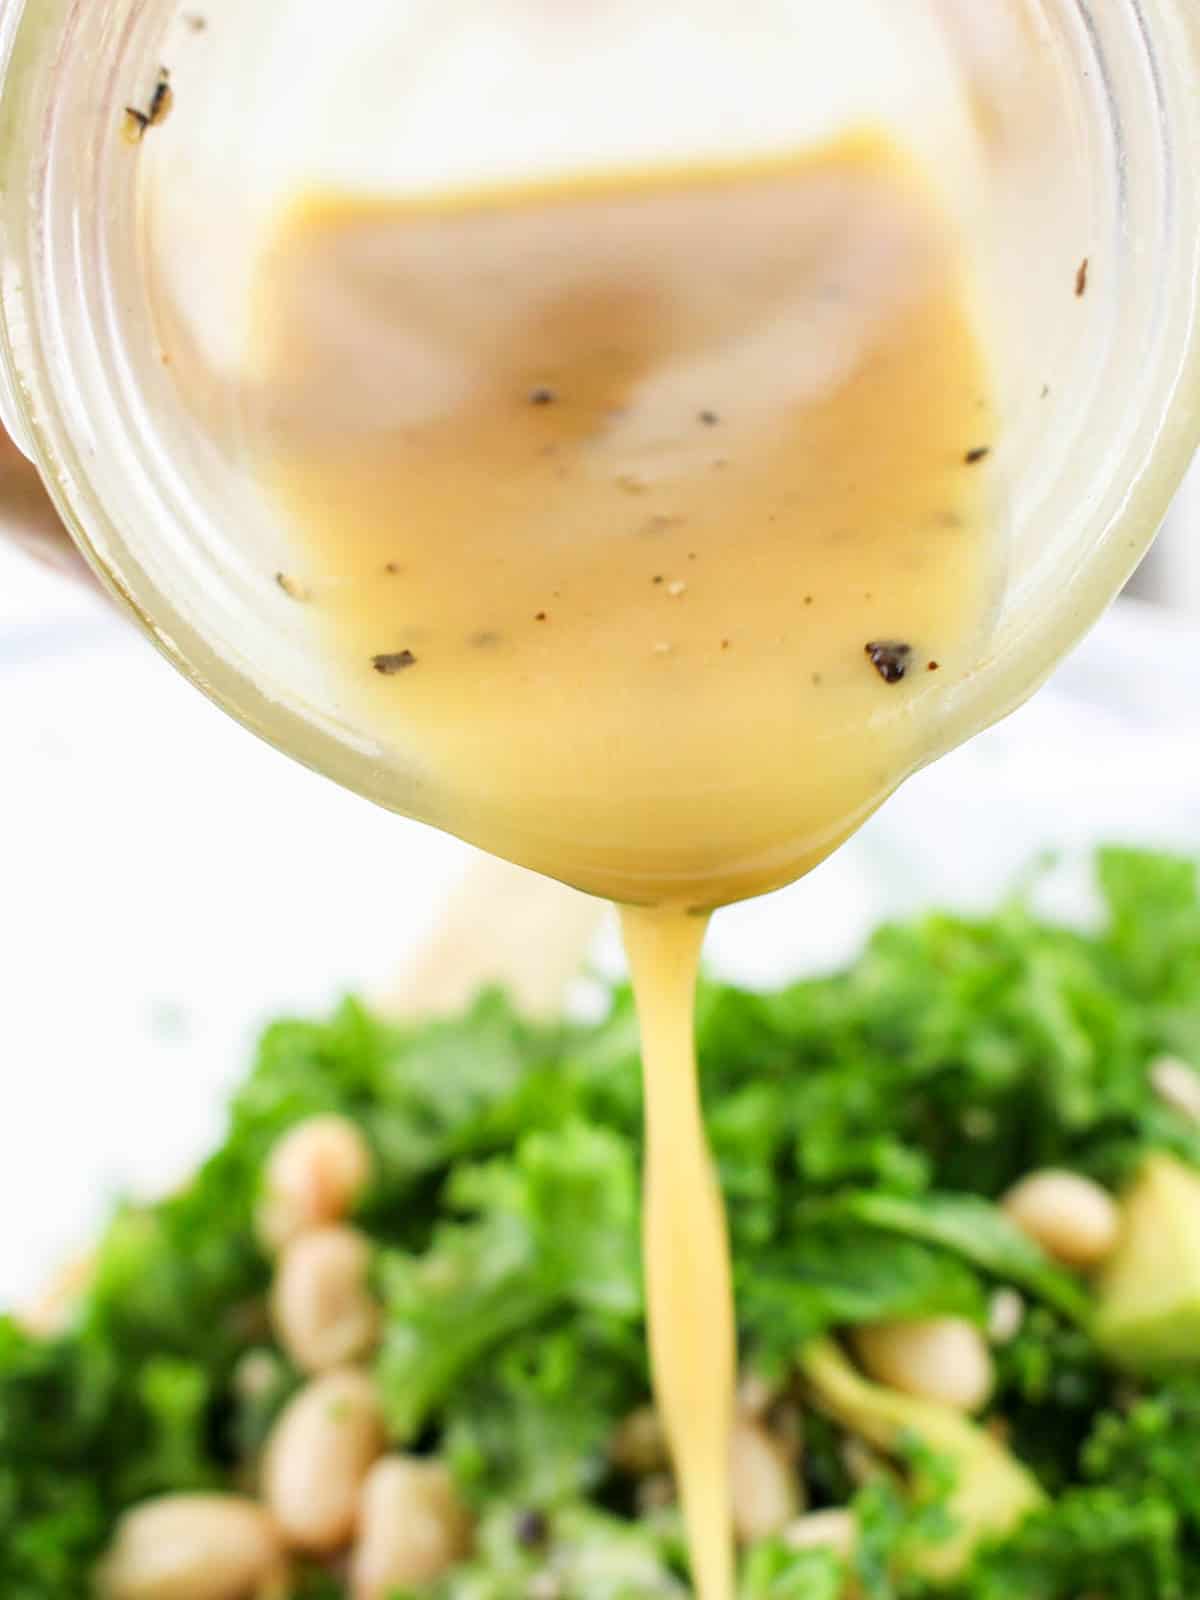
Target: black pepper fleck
x=393, y=661
x=889, y=657
x=391, y=568
x=978, y=454
x=542, y=396
x=709, y=418
x=138, y=122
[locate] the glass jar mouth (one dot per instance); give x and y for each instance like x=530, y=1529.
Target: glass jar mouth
x=83, y=391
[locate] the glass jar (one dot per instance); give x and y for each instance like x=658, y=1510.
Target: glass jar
x=146, y=146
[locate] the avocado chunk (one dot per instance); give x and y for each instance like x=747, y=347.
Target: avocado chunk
x=1148, y=1293
x=992, y=1492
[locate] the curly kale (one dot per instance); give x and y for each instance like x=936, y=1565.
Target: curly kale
x=864, y=1125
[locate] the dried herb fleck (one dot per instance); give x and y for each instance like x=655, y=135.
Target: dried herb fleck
x=393, y=662
x=137, y=122
x=195, y=21
x=980, y=453
x=709, y=418
x=162, y=100
x=1081, y=278
x=890, y=658
x=293, y=587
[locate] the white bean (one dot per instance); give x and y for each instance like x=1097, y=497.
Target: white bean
x=823, y=1530
x=314, y=1175
x=1177, y=1085
x=321, y=1308
x=52, y=1310
x=1006, y=1313
x=319, y=1453
x=412, y=1527
x=192, y=1547
x=1073, y=1219
x=940, y=1358
x=763, y=1480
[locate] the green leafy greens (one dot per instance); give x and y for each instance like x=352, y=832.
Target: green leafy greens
x=864, y=1125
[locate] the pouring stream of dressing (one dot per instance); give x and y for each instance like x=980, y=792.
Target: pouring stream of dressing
x=689, y=1286
x=645, y=524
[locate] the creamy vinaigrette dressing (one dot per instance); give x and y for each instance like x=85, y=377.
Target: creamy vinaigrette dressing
x=689, y=1285
x=601, y=493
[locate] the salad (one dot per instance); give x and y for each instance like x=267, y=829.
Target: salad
x=389, y=1340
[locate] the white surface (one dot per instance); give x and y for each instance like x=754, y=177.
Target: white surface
x=168, y=882
x=1176, y=557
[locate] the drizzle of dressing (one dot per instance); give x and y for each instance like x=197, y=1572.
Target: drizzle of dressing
x=689, y=1285
x=644, y=526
